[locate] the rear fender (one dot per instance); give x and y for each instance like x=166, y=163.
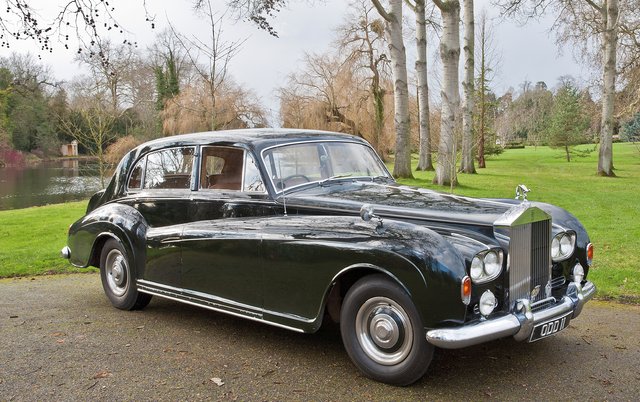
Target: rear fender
x=118, y=221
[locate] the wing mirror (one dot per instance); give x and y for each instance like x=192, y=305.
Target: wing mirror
x=367, y=213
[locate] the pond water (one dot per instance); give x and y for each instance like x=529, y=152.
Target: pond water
x=49, y=182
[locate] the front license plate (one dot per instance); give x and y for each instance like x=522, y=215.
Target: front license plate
x=549, y=328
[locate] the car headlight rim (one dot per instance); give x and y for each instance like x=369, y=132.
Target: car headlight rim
x=486, y=266
x=563, y=246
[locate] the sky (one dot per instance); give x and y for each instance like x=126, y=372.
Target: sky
x=527, y=53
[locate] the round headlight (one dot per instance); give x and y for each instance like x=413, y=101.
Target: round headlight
x=555, y=248
x=565, y=245
x=488, y=303
x=578, y=273
x=562, y=246
x=491, y=264
x=476, y=268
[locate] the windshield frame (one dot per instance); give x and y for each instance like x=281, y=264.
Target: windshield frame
x=321, y=181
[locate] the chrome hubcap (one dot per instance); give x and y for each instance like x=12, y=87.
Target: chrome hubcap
x=384, y=331
x=117, y=272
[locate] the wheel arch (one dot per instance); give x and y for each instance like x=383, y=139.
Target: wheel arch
x=345, y=279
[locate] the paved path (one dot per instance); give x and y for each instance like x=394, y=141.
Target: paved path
x=61, y=340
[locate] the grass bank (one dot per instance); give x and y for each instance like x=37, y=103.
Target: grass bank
x=31, y=239
x=608, y=207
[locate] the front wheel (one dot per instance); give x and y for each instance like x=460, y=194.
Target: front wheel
x=383, y=333
x=117, y=280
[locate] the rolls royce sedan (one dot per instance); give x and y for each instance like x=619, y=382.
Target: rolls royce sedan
x=295, y=227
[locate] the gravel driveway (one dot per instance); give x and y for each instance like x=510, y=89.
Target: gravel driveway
x=61, y=340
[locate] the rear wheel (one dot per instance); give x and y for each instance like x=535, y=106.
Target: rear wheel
x=383, y=333
x=117, y=280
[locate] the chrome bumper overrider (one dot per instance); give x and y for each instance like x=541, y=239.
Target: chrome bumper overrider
x=519, y=325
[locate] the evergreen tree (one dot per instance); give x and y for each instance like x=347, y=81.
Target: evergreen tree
x=569, y=122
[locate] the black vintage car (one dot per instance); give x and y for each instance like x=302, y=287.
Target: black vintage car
x=293, y=227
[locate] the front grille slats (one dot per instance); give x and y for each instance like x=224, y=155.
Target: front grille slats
x=529, y=255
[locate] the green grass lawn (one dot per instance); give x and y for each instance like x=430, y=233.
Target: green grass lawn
x=608, y=207
x=31, y=239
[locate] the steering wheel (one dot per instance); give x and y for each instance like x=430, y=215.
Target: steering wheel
x=297, y=178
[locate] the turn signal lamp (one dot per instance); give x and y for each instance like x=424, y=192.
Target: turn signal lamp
x=589, y=254
x=465, y=290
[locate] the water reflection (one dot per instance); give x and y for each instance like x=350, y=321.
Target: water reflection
x=48, y=183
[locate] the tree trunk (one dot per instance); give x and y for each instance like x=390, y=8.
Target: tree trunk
x=424, y=160
x=466, y=165
x=450, y=55
x=566, y=150
x=610, y=41
x=482, y=83
x=402, y=164
x=378, y=127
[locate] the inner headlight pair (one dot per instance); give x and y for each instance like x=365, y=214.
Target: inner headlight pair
x=562, y=246
x=486, y=265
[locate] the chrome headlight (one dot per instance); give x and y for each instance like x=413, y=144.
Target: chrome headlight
x=486, y=265
x=562, y=246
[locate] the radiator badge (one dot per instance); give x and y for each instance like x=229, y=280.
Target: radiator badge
x=535, y=292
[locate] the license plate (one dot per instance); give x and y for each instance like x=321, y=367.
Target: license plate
x=549, y=328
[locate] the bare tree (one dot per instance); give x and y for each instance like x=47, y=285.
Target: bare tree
x=190, y=110
x=450, y=93
x=92, y=126
x=89, y=21
x=362, y=37
x=393, y=18
x=328, y=86
x=424, y=158
x=485, y=73
x=113, y=72
x=216, y=51
x=466, y=163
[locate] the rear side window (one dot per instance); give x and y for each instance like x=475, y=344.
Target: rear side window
x=170, y=168
x=135, y=180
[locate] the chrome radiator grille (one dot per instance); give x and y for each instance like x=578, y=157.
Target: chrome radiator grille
x=530, y=259
x=529, y=230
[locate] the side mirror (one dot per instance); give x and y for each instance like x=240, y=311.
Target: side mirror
x=367, y=213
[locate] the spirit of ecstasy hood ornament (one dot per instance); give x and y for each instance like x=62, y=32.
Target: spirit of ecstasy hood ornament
x=521, y=192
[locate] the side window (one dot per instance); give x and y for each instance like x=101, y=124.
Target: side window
x=221, y=168
x=135, y=180
x=170, y=168
x=252, y=178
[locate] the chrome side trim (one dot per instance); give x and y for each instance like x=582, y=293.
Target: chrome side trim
x=519, y=325
x=148, y=288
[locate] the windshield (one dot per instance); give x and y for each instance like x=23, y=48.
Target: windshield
x=296, y=164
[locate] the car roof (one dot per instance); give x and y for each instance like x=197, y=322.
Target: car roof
x=256, y=138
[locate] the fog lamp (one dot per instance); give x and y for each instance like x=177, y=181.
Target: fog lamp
x=488, y=303
x=578, y=273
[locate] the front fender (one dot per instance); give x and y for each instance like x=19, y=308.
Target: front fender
x=318, y=250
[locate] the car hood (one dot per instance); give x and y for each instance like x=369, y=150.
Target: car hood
x=396, y=201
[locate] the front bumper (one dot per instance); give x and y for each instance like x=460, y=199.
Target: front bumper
x=520, y=324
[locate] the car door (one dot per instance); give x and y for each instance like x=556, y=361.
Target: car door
x=221, y=248
x=159, y=187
